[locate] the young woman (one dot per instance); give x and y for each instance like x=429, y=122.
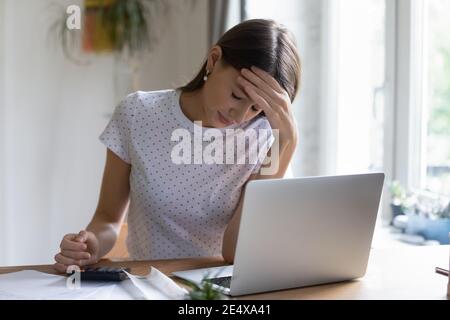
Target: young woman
x=176, y=210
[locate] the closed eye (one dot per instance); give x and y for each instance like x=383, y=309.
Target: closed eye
x=236, y=97
x=254, y=108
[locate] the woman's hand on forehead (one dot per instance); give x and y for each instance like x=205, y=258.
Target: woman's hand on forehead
x=267, y=93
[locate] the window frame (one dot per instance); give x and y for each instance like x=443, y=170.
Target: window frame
x=410, y=136
x=329, y=94
x=404, y=133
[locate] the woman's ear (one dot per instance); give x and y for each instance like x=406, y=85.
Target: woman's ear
x=214, y=58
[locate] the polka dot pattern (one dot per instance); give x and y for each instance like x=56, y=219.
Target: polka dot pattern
x=176, y=210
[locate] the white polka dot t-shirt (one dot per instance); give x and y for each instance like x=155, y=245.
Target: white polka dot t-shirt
x=176, y=210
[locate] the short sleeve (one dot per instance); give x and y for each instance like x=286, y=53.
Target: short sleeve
x=117, y=134
x=265, y=141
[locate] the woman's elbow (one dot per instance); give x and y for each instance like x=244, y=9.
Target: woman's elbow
x=228, y=256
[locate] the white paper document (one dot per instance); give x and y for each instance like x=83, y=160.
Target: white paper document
x=157, y=286
x=32, y=285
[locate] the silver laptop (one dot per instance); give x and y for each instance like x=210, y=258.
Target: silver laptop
x=300, y=232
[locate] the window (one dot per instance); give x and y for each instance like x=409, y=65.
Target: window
x=435, y=164
x=428, y=91
x=342, y=44
x=360, y=78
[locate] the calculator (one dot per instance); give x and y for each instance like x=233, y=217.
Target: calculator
x=103, y=274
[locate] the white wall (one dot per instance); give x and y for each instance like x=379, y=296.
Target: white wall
x=53, y=112
x=181, y=49
x=2, y=136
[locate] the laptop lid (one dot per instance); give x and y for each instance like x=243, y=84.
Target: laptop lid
x=305, y=231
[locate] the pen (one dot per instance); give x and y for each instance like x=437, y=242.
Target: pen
x=442, y=271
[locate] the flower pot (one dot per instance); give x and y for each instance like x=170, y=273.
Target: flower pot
x=396, y=210
x=431, y=229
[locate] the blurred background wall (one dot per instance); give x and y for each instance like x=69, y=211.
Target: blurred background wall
x=375, y=96
x=52, y=112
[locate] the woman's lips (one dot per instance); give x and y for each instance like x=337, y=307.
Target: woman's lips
x=224, y=120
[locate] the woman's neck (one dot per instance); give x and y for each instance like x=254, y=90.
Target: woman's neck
x=191, y=104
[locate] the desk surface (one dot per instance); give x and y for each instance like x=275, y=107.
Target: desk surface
x=400, y=273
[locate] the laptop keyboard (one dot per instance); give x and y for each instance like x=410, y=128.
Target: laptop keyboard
x=221, y=281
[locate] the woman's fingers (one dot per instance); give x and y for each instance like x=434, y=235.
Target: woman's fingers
x=60, y=267
x=264, y=105
x=68, y=261
x=73, y=251
x=82, y=236
x=77, y=255
x=70, y=236
x=259, y=82
x=268, y=79
x=69, y=243
x=259, y=98
x=251, y=90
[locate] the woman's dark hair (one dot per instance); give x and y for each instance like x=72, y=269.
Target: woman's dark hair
x=262, y=43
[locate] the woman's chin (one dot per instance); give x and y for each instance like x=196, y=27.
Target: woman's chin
x=221, y=121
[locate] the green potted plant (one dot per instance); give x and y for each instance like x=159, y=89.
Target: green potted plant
x=128, y=29
x=398, y=199
x=203, y=291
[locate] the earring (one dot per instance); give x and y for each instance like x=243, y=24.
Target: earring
x=206, y=75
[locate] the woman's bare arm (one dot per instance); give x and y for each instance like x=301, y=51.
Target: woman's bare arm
x=112, y=204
